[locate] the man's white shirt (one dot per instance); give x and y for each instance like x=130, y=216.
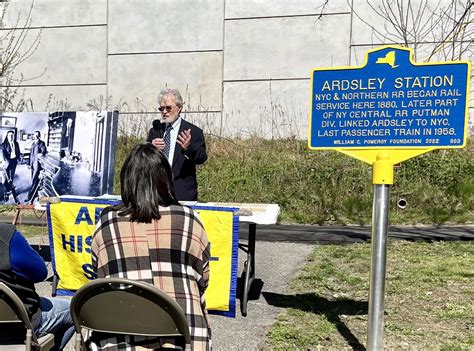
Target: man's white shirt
x=173, y=138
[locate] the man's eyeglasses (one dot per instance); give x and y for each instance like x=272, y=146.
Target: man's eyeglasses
x=167, y=108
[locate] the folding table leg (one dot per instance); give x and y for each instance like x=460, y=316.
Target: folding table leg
x=249, y=268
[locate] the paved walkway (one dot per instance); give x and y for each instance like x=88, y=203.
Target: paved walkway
x=280, y=251
x=313, y=234
x=276, y=264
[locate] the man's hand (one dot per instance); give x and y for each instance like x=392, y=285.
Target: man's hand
x=158, y=143
x=184, y=139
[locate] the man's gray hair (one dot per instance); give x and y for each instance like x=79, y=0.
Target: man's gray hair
x=175, y=93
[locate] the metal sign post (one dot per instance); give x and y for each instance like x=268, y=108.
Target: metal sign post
x=377, y=267
x=387, y=111
x=382, y=179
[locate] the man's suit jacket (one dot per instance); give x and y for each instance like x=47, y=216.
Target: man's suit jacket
x=37, y=148
x=184, y=162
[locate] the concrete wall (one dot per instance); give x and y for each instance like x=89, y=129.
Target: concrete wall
x=243, y=66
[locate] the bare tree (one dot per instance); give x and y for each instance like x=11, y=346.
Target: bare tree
x=456, y=35
x=433, y=29
x=13, y=51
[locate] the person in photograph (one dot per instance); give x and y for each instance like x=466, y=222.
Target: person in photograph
x=38, y=149
x=11, y=156
x=182, y=143
x=152, y=238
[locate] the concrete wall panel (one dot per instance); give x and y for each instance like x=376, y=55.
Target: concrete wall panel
x=267, y=8
x=209, y=122
x=272, y=109
x=197, y=75
x=136, y=124
x=284, y=47
x=60, y=60
x=243, y=66
x=54, y=98
x=47, y=13
x=165, y=26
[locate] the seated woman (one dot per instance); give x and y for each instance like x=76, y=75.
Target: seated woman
x=152, y=238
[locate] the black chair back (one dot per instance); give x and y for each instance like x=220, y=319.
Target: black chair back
x=15, y=324
x=127, y=307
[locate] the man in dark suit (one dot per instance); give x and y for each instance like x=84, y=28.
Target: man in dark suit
x=38, y=149
x=182, y=143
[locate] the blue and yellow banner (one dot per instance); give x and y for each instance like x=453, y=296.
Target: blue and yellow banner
x=71, y=225
x=222, y=228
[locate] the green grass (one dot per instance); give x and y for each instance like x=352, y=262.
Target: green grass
x=318, y=187
x=326, y=187
x=453, y=311
x=428, y=299
x=33, y=230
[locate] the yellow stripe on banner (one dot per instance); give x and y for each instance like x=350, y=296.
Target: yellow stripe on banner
x=218, y=226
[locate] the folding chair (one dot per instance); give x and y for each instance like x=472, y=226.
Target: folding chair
x=127, y=307
x=15, y=325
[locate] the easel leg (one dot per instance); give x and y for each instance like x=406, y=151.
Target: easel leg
x=16, y=215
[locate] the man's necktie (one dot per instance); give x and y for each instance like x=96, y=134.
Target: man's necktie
x=167, y=140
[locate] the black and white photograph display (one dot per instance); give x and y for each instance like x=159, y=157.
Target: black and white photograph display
x=49, y=154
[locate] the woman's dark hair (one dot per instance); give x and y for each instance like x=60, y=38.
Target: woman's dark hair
x=146, y=182
x=5, y=141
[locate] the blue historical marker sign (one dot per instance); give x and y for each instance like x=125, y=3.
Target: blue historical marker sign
x=390, y=102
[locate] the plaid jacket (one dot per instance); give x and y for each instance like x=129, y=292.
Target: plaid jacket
x=171, y=253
